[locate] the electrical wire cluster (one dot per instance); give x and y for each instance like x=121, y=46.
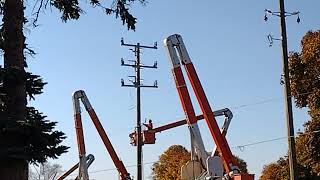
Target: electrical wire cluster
x=239, y=147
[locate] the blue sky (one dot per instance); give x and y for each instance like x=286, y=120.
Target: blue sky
x=228, y=46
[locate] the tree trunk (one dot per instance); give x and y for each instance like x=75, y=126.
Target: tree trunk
x=14, y=169
x=14, y=57
x=13, y=19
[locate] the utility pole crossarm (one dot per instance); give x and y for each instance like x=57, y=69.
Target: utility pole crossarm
x=141, y=46
x=153, y=66
x=128, y=85
x=150, y=86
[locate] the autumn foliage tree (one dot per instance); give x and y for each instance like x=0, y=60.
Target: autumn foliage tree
x=305, y=77
x=277, y=171
x=304, y=70
x=170, y=162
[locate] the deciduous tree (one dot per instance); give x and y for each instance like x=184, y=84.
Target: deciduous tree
x=45, y=171
x=305, y=78
x=170, y=162
x=277, y=171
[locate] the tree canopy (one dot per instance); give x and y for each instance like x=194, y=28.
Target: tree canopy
x=71, y=9
x=170, y=162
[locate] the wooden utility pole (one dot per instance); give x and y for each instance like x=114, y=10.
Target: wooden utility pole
x=285, y=80
x=287, y=95
x=136, y=83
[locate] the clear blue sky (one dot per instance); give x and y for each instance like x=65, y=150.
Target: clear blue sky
x=228, y=45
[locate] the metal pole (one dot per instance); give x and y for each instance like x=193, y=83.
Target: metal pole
x=139, y=140
x=287, y=95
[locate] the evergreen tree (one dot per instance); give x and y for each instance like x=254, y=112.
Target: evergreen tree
x=25, y=133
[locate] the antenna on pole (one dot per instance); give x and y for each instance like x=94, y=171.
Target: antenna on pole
x=136, y=83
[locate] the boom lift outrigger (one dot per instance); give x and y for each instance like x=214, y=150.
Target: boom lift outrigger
x=83, y=171
x=178, y=55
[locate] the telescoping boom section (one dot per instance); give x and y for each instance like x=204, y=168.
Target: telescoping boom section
x=83, y=172
x=178, y=55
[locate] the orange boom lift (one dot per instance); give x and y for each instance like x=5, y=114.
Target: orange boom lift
x=83, y=170
x=178, y=55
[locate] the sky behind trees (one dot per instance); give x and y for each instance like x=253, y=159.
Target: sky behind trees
x=228, y=46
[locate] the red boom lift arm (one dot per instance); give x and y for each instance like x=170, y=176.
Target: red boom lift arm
x=178, y=55
x=83, y=173
x=149, y=134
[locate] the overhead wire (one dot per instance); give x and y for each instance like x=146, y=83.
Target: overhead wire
x=265, y=101
x=255, y=103
x=112, y=169
x=240, y=147
x=241, y=106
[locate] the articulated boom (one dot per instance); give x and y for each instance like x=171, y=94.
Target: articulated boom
x=178, y=55
x=149, y=135
x=83, y=172
x=212, y=167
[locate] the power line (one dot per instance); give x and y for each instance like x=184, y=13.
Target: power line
x=113, y=169
x=256, y=103
x=264, y=101
x=242, y=106
x=240, y=147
